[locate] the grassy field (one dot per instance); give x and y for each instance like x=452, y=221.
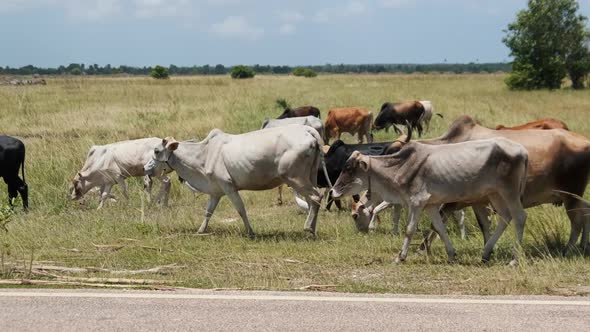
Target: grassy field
x=60, y=121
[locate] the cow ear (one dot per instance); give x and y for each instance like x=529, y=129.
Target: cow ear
x=172, y=145
x=80, y=176
x=363, y=164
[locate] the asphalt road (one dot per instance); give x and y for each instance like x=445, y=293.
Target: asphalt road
x=92, y=310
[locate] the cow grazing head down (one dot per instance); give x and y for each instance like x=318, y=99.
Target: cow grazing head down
x=354, y=176
x=162, y=153
x=361, y=216
x=78, y=187
x=385, y=118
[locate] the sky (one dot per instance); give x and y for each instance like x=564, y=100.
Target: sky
x=50, y=33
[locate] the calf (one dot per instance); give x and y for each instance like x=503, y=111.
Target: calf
x=423, y=177
x=392, y=114
x=352, y=120
x=365, y=214
x=12, y=160
x=547, y=123
x=107, y=165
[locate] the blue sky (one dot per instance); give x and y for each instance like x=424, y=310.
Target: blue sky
x=291, y=32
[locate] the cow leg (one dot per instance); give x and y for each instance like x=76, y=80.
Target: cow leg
x=280, y=198
x=123, y=185
x=211, y=205
x=236, y=200
x=483, y=220
x=312, y=197
x=164, y=192
x=397, y=212
x=440, y=228
x=382, y=206
x=414, y=217
x=105, y=194
x=575, y=213
x=459, y=217
x=507, y=210
x=12, y=193
x=147, y=186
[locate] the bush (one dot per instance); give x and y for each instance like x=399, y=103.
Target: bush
x=305, y=72
x=240, y=71
x=159, y=72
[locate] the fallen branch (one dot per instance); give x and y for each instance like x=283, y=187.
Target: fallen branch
x=108, y=247
x=319, y=287
x=165, y=269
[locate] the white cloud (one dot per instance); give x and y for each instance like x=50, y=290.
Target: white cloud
x=163, y=8
x=351, y=9
x=237, y=27
x=92, y=10
x=287, y=29
x=291, y=17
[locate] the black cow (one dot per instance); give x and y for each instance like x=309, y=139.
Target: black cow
x=12, y=159
x=339, y=153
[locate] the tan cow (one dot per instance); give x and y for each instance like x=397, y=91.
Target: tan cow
x=352, y=120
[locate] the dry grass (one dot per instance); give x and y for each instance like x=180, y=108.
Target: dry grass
x=59, y=122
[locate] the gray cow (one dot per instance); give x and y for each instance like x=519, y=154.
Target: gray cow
x=423, y=177
x=223, y=164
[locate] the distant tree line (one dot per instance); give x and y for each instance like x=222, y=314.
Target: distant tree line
x=83, y=69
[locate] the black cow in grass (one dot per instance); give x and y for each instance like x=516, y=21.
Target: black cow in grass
x=339, y=153
x=12, y=159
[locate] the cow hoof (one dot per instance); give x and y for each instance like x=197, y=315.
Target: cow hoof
x=311, y=233
x=399, y=260
x=252, y=236
x=513, y=263
x=485, y=261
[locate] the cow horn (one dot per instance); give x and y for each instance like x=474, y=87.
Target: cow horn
x=409, y=136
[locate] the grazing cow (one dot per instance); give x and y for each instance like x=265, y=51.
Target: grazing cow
x=12, y=160
x=352, y=120
x=392, y=114
x=365, y=213
x=428, y=112
x=289, y=112
x=107, y=165
x=547, y=123
x=423, y=177
x=559, y=169
x=223, y=164
x=310, y=121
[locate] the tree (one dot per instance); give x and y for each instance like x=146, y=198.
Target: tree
x=305, y=72
x=548, y=41
x=241, y=71
x=159, y=72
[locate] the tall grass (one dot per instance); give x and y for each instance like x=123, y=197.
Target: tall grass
x=60, y=121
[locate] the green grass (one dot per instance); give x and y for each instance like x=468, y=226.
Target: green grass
x=60, y=121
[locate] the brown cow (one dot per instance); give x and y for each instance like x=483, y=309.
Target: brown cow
x=559, y=166
x=398, y=113
x=351, y=120
x=289, y=112
x=547, y=123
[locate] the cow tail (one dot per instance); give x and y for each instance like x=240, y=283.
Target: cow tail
x=441, y=116
x=370, y=118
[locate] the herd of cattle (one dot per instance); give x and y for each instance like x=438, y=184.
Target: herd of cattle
x=501, y=170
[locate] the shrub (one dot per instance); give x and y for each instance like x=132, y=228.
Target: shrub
x=305, y=72
x=241, y=71
x=159, y=73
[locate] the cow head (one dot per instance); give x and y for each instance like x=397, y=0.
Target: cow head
x=354, y=175
x=78, y=187
x=361, y=216
x=162, y=153
x=385, y=118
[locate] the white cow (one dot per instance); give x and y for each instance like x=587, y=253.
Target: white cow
x=110, y=164
x=223, y=164
x=310, y=121
x=427, y=115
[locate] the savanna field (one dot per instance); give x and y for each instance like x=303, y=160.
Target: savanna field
x=60, y=121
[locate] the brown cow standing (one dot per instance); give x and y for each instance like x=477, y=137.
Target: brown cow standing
x=547, y=123
x=353, y=120
x=398, y=113
x=559, y=166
